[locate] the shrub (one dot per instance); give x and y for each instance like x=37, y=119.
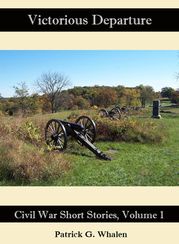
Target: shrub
x=81, y=102
x=23, y=163
x=131, y=130
x=29, y=132
x=23, y=157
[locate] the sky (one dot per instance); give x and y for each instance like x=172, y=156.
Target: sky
x=157, y=68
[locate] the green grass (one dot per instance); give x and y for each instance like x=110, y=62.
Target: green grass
x=133, y=164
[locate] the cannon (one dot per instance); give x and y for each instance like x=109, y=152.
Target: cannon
x=114, y=113
x=83, y=131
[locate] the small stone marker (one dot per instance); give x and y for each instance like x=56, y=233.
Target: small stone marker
x=156, y=109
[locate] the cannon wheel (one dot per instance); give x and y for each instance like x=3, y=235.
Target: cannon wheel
x=103, y=113
x=115, y=113
x=118, y=107
x=89, y=127
x=55, y=135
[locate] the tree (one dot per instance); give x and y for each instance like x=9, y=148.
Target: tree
x=129, y=97
x=105, y=96
x=167, y=92
x=175, y=97
x=81, y=102
x=147, y=94
x=22, y=93
x=44, y=104
x=66, y=100
x=51, y=85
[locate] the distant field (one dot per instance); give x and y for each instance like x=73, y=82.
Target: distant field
x=133, y=163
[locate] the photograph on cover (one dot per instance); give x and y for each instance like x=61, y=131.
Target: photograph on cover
x=89, y=118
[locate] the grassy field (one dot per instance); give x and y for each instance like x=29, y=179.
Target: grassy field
x=133, y=163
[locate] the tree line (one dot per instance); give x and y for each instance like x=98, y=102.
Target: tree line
x=52, y=96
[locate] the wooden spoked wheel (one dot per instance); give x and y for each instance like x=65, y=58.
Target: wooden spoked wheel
x=89, y=127
x=55, y=135
x=103, y=113
x=115, y=113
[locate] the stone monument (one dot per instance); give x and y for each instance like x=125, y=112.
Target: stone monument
x=156, y=109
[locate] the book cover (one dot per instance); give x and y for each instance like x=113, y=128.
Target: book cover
x=89, y=122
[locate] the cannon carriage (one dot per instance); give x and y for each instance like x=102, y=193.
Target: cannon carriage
x=83, y=131
x=114, y=113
